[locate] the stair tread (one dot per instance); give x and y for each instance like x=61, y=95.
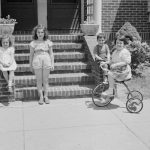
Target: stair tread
x=72, y=75
x=54, y=43
x=63, y=87
x=56, y=75
x=60, y=64
x=58, y=53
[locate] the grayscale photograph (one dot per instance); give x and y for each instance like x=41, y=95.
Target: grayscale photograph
x=74, y=74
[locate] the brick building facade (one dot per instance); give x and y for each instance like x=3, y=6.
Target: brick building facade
x=116, y=12
x=109, y=14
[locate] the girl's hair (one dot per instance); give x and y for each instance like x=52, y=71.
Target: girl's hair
x=34, y=32
x=122, y=38
x=101, y=35
x=128, y=37
x=9, y=37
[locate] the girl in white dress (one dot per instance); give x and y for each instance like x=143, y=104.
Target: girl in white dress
x=120, y=69
x=41, y=60
x=7, y=61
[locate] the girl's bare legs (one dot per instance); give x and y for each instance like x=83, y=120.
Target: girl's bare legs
x=39, y=76
x=45, y=84
x=111, y=85
x=11, y=77
x=10, y=80
x=5, y=74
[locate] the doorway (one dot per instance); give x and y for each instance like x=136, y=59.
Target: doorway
x=63, y=15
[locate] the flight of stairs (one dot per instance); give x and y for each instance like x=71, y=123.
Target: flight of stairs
x=71, y=77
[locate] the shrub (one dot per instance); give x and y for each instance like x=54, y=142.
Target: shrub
x=129, y=30
x=140, y=51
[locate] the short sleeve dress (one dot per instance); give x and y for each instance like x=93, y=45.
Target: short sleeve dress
x=6, y=56
x=124, y=72
x=41, y=58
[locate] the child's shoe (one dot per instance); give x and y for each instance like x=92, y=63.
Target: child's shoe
x=10, y=86
x=108, y=92
x=41, y=102
x=102, y=100
x=105, y=80
x=10, y=89
x=46, y=100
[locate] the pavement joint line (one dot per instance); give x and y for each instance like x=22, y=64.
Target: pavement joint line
x=69, y=127
x=131, y=131
x=23, y=130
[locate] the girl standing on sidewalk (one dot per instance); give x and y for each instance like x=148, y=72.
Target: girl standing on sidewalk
x=41, y=60
x=7, y=61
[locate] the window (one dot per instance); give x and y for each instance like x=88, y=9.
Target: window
x=63, y=1
x=148, y=9
x=20, y=1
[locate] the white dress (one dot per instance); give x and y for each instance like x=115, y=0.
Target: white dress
x=124, y=72
x=7, y=56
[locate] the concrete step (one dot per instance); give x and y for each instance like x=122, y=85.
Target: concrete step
x=55, y=38
x=58, y=46
x=59, y=67
x=56, y=79
x=65, y=56
x=71, y=77
x=30, y=93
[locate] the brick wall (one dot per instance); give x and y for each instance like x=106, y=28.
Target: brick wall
x=116, y=12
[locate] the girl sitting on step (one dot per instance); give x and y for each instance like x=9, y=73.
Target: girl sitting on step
x=7, y=61
x=41, y=60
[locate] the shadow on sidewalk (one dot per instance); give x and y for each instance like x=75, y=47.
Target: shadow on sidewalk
x=90, y=104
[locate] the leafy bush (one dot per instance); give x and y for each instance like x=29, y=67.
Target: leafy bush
x=128, y=30
x=140, y=51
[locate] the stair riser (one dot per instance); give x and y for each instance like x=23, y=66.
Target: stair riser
x=6, y=98
x=55, y=46
x=57, y=58
x=54, y=38
x=27, y=51
x=55, y=81
x=69, y=58
x=75, y=68
x=33, y=94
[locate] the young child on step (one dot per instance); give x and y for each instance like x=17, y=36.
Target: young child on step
x=102, y=52
x=7, y=61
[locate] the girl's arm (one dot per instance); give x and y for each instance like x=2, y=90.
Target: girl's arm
x=118, y=64
x=108, y=54
x=98, y=57
x=31, y=55
x=12, y=54
x=126, y=59
x=51, y=55
x=95, y=54
x=1, y=62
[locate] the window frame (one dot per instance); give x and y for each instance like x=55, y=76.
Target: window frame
x=51, y=2
x=20, y=2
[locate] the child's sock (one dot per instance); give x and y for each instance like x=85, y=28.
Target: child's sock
x=10, y=86
x=9, y=83
x=105, y=79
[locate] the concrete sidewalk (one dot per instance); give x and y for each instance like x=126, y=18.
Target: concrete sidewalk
x=73, y=124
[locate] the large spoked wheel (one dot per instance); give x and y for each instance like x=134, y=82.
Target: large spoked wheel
x=97, y=98
x=135, y=94
x=134, y=105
